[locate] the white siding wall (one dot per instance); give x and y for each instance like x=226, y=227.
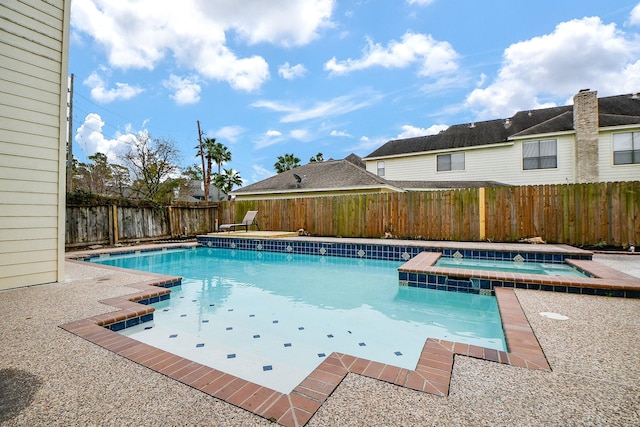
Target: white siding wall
x=500, y=163
x=33, y=95
x=607, y=170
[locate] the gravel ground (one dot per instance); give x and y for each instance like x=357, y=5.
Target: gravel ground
x=51, y=377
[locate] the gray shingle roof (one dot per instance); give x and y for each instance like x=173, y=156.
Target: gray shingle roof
x=613, y=110
x=330, y=174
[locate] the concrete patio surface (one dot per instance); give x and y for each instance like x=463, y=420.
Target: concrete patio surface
x=51, y=377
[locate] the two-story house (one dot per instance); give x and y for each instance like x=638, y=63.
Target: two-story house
x=593, y=140
x=34, y=49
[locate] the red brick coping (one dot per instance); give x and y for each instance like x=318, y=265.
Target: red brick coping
x=431, y=375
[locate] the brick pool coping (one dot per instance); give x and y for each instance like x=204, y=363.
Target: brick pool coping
x=604, y=280
x=431, y=375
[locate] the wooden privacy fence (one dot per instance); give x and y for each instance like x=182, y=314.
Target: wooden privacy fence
x=576, y=214
x=112, y=224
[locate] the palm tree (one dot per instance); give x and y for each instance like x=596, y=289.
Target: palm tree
x=317, y=158
x=213, y=152
x=225, y=181
x=218, y=153
x=286, y=162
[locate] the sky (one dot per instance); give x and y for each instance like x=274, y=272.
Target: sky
x=274, y=77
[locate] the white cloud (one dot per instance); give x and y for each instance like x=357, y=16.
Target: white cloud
x=433, y=57
x=274, y=106
x=92, y=140
x=634, y=16
x=299, y=134
x=260, y=173
x=290, y=72
x=230, y=133
x=334, y=107
x=100, y=93
x=420, y=2
x=582, y=53
x=340, y=134
x=365, y=145
x=270, y=137
x=409, y=131
x=142, y=33
x=283, y=22
x=186, y=90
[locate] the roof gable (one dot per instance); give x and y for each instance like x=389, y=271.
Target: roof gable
x=314, y=176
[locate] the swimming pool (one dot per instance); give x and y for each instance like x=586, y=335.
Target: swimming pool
x=271, y=318
x=511, y=266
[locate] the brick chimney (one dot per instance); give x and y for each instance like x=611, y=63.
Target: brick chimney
x=585, y=123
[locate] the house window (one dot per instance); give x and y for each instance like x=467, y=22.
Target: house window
x=381, y=168
x=540, y=154
x=626, y=148
x=451, y=162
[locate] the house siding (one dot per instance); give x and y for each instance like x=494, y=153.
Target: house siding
x=317, y=193
x=501, y=163
x=34, y=40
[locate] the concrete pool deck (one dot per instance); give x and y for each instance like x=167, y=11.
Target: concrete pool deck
x=52, y=377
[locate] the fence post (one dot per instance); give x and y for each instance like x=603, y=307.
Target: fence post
x=115, y=223
x=109, y=213
x=482, y=214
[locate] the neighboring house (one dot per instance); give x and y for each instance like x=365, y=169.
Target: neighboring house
x=34, y=50
x=336, y=177
x=595, y=140
x=331, y=177
x=194, y=192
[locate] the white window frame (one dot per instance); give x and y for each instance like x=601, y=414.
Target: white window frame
x=455, y=162
x=628, y=145
x=539, y=161
x=380, y=166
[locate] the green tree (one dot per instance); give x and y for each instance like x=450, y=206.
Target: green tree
x=100, y=176
x=219, y=154
x=227, y=180
x=212, y=152
x=153, y=164
x=286, y=162
x=317, y=158
x=190, y=174
x=193, y=173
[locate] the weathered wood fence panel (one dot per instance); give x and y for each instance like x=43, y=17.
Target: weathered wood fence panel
x=576, y=214
x=142, y=223
x=109, y=224
x=87, y=224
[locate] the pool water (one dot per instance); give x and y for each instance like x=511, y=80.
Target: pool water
x=271, y=318
x=511, y=267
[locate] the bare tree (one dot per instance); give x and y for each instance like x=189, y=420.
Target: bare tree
x=153, y=164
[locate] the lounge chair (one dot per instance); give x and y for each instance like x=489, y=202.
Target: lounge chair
x=248, y=220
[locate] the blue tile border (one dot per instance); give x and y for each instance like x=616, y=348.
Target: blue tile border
x=472, y=285
x=373, y=251
x=118, y=326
